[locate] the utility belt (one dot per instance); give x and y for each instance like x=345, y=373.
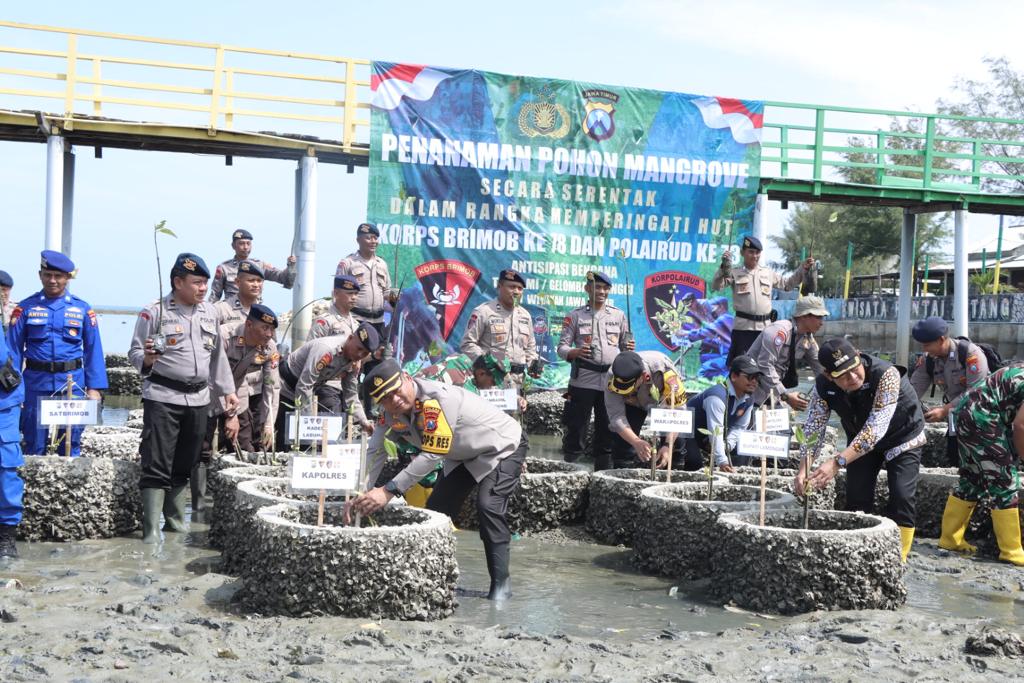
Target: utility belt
x=367, y=313
x=286, y=375
x=177, y=385
x=59, y=366
x=588, y=365
x=772, y=317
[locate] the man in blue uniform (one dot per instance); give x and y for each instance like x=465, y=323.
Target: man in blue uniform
x=12, y=393
x=56, y=334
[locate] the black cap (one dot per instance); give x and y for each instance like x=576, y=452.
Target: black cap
x=838, y=357
x=367, y=229
x=251, y=268
x=509, y=275
x=744, y=365
x=930, y=329
x=627, y=368
x=367, y=336
x=752, y=242
x=383, y=379
x=189, y=264
x=5, y=279
x=241, y=235
x=598, y=276
x=262, y=314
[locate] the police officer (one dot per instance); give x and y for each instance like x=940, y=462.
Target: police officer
x=234, y=308
x=783, y=344
x=752, y=292
x=338, y=319
x=56, y=334
x=177, y=348
x=723, y=410
x=372, y=275
x=953, y=365
x=881, y=416
x=224, y=277
x=12, y=393
x=592, y=336
x=6, y=302
x=480, y=445
x=504, y=329
x=636, y=383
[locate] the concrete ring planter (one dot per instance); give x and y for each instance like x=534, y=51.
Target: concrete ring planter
x=111, y=442
x=221, y=488
x=933, y=488
x=782, y=480
x=845, y=560
x=614, y=508
x=70, y=499
x=676, y=535
x=399, y=565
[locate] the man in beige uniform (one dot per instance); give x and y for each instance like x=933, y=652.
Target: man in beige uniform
x=234, y=308
x=338, y=319
x=372, y=275
x=481, y=446
x=224, y=278
x=504, y=329
x=752, y=292
x=783, y=344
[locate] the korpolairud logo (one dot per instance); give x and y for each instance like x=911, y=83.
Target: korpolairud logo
x=447, y=286
x=599, y=114
x=667, y=297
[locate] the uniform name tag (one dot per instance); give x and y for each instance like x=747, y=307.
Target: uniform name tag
x=502, y=399
x=338, y=469
x=68, y=412
x=667, y=420
x=760, y=444
x=766, y=420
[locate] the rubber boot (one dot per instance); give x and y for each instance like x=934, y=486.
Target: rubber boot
x=174, y=509
x=152, y=504
x=197, y=482
x=7, y=534
x=417, y=495
x=954, y=524
x=497, y=566
x=1006, y=524
x=906, y=539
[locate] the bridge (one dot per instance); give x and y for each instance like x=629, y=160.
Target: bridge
x=71, y=88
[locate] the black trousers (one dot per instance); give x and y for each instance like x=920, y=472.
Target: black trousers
x=623, y=455
x=742, y=340
x=250, y=424
x=693, y=456
x=952, y=451
x=328, y=399
x=368, y=365
x=492, y=496
x=862, y=473
x=172, y=440
x=576, y=417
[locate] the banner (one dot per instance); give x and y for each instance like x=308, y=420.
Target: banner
x=473, y=172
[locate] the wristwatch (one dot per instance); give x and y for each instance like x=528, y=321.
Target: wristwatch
x=392, y=488
x=841, y=461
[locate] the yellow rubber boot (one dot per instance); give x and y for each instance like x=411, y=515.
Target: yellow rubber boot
x=954, y=524
x=906, y=539
x=1007, y=527
x=417, y=495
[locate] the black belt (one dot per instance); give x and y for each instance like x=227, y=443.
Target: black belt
x=751, y=316
x=60, y=366
x=587, y=365
x=286, y=375
x=517, y=368
x=366, y=313
x=177, y=385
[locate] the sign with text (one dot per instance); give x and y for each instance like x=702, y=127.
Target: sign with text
x=669, y=421
x=311, y=428
x=759, y=444
x=337, y=469
x=502, y=399
x=766, y=420
x=62, y=412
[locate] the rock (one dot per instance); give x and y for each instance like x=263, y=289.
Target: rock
x=995, y=641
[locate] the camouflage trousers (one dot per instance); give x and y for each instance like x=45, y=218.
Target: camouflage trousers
x=988, y=465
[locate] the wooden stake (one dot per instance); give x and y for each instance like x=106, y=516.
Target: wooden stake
x=764, y=471
x=671, y=440
x=67, y=432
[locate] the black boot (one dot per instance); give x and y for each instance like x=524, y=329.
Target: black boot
x=497, y=566
x=7, y=534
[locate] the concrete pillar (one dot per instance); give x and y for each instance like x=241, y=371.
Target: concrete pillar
x=960, y=322
x=906, y=288
x=305, y=228
x=54, y=192
x=68, y=207
x=761, y=218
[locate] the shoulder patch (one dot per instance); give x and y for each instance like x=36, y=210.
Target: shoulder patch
x=324, y=361
x=437, y=433
x=219, y=272
x=144, y=314
x=92, y=317
x=780, y=339
x=15, y=314
x=567, y=320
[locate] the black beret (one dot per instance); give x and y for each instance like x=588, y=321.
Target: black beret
x=509, y=275
x=251, y=268
x=930, y=329
x=262, y=314
x=241, y=235
x=190, y=264
x=367, y=229
x=752, y=242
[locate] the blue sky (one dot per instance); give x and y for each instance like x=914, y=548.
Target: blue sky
x=892, y=55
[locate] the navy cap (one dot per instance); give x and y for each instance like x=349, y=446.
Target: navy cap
x=930, y=329
x=190, y=264
x=262, y=314
x=627, y=368
x=752, y=242
x=383, y=379
x=838, y=356
x=5, y=279
x=241, y=235
x=744, y=365
x=597, y=276
x=367, y=229
x=251, y=268
x=54, y=260
x=509, y=275
x=346, y=283
x=367, y=336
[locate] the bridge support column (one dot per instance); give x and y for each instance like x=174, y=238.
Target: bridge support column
x=54, y=192
x=906, y=288
x=760, y=218
x=305, y=233
x=960, y=322
x=68, y=204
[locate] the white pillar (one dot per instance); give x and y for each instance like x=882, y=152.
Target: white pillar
x=305, y=225
x=68, y=207
x=960, y=322
x=54, y=192
x=903, y=305
x=761, y=218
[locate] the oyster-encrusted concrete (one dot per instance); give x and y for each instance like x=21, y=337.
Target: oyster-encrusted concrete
x=111, y=442
x=221, y=485
x=782, y=480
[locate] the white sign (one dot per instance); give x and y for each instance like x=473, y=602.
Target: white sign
x=772, y=420
x=502, y=399
x=311, y=428
x=675, y=421
x=68, y=412
x=336, y=470
x=758, y=444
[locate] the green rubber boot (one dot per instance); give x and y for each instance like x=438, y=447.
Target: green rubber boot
x=174, y=509
x=152, y=503
x=198, y=484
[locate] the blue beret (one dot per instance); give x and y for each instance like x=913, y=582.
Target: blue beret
x=346, y=283
x=752, y=243
x=54, y=260
x=509, y=275
x=5, y=279
x=252, y=268
x=262, y=314
x=241, y=235
x=190, y=264
x=367, y=336
x=930, y=329
x=597, y=276
x=367, y=229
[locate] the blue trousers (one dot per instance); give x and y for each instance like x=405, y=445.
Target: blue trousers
x=36, y=436
x=11, y=485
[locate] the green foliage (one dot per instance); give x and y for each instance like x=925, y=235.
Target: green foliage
x=982, y=283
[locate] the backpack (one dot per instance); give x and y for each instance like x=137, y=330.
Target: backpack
x=995, y=361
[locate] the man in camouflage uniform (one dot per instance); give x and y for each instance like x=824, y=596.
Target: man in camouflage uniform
x=782, y=345
x=234, y=308
x=224, y=277
x=989, y=421
x=504, y=329
x=338, y=319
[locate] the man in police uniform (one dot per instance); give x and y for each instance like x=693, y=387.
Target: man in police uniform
x=338, y=319
x=372, y=275
x=480, y=445
x=952, y=365
x=752, y=292
x=177, y=348
x=636, y=383
x=592, y=336
x=723, y=410
x=783, y=344
x=12, y=393
x=56, y=334
x=234, y=308
x=224, y=278
x=504, y=329
x=6, y=302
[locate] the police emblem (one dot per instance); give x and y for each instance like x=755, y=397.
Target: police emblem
x=267, y=318
x=238, y=235
x=377, y=381
x=599, y=114
x=448, y=281
x=188, y=264
x=667, y=299
x=245, y=266
x=543, y=118
x=362, y=334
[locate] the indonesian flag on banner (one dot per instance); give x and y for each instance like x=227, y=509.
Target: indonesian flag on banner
x=722, y=112
x=391, y=82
